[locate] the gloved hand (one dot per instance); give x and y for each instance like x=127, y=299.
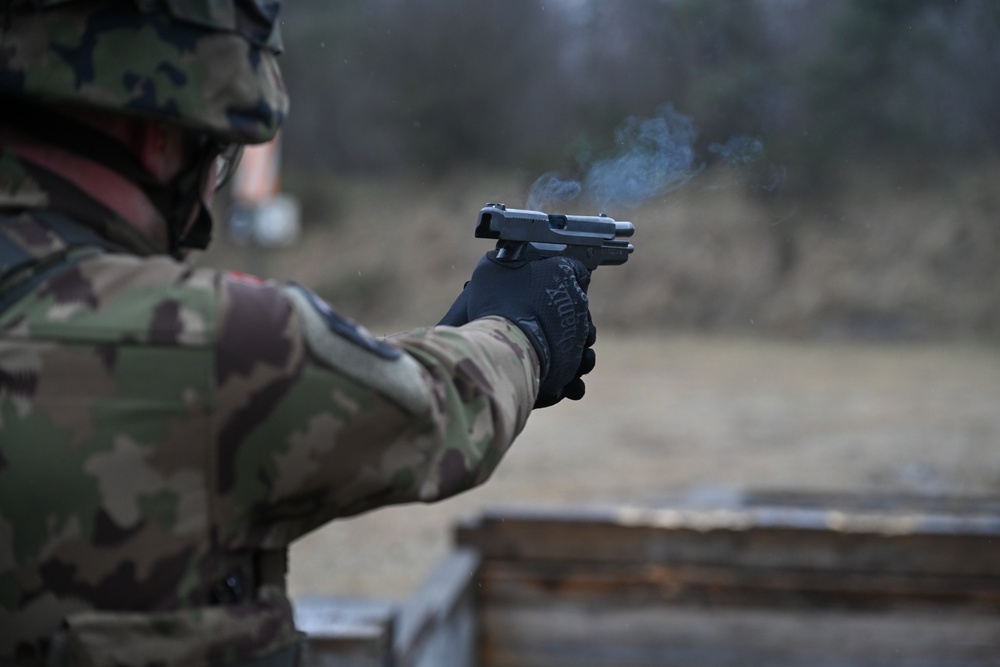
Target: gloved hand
x=547, y=299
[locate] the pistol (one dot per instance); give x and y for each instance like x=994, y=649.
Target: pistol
x=524, y=235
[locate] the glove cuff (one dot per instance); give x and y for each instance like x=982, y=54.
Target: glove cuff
x=533, y=330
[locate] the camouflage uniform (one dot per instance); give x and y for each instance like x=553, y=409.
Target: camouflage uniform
x=163, y=427
x=167, y=431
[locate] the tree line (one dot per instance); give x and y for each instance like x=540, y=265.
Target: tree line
x=385, y=85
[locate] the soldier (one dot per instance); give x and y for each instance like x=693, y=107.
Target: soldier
x=167, y=431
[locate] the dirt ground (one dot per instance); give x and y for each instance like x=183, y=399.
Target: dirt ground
x=668, y=415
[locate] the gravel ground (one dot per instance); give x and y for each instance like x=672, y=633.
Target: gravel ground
x=679, y=414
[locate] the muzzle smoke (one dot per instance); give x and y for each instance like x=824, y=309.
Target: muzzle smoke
x=656, y=156
x=739, y=150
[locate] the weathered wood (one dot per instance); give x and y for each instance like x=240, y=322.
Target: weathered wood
x=561, y=633
x=526, y=582
x=750, y=538
x=346, y=633
x=779, y=580
x=437, y=627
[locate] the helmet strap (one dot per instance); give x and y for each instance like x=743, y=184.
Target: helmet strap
x=176, y=200
x=183, y=198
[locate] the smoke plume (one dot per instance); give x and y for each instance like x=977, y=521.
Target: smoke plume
x=656, y=155
x=739, y=150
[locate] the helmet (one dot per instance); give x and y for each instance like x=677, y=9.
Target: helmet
x=204, y=65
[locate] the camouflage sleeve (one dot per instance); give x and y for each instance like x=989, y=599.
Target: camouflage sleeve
x=317, y=419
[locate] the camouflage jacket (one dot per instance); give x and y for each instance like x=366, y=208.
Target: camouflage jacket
x=166, y=430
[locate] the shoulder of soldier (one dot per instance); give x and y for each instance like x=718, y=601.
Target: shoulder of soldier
x=115, y=297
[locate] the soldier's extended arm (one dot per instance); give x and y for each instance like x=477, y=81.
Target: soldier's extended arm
x=334, y=422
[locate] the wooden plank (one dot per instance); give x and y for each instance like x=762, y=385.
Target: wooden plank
x=748, y=538
x=792, y=580
x=558, y=633
x=890, y=503
x=437, y=627
x=526, y=583
x=779, y=580
x=346, y=633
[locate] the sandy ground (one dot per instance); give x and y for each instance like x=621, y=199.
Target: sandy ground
x=664, y=416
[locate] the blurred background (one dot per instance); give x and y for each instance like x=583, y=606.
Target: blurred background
x=814, y=300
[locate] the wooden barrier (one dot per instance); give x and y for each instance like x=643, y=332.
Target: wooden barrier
x=437, y=627
x=776, y=579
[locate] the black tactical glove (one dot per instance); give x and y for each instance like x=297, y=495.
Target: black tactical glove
x=547, y=299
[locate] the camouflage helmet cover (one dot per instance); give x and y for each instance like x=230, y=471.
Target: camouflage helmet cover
x=205, y=65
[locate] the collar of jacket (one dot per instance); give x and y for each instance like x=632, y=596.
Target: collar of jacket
x=25, y=186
